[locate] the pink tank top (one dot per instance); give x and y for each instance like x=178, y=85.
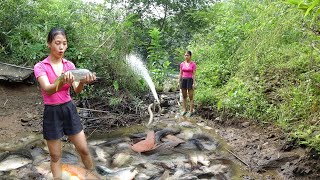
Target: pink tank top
x=44, y=68
x=187, y=70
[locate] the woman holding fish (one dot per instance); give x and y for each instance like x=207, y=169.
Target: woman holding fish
x=56, y=75
x=187, y=82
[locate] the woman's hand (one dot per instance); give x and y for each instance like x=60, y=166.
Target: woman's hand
x=90, y=77
x=68, y=78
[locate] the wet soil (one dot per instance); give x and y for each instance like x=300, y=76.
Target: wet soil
x=259, y=148
x=20, y=110
x=264, y=147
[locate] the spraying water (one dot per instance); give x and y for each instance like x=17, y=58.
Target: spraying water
x=138, y=67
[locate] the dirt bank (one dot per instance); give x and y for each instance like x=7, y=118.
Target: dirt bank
x=20, y=110
x=261, y=147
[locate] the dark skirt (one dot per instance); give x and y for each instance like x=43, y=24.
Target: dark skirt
x=59, y=120
x=186, y=83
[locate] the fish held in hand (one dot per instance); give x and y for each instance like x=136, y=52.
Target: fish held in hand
x=79, y=74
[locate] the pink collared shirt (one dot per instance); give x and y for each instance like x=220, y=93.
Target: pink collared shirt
x=44, y=68
x=188, y=70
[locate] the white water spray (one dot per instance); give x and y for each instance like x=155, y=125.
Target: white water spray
x=138, y=67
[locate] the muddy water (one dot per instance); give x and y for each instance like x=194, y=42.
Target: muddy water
x=195, y=125
x=218, y=157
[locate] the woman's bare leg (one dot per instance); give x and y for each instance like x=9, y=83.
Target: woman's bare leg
x=184, y=102
x=80, y=142
x=54, y=147
x=190, y=93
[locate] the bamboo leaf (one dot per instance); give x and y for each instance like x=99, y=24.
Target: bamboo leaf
x=294, y=2
x=314, y=3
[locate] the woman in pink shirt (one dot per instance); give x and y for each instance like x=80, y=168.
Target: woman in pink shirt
x=60, y=115
x=187, y=81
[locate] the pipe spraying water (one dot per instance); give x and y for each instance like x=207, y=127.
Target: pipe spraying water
x=138, y=67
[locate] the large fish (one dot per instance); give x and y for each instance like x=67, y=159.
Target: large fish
x=77, y=173
x=14, y=160
x=145, y=145
x=121, y=159
x=99, y=154
x=79, y=74
x=196, y=158
x=69, y=171
x=127, y=173
x=164, y=132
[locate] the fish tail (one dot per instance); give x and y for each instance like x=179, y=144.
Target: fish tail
x=57, y=82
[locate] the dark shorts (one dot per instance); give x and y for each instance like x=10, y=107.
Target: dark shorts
x=186, y=83
x=59, y=120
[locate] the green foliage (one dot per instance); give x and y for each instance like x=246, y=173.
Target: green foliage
x=309, y=7
x=158, y=62
x=114, y=101
x=116, y=85
x=98, y=39
x=174, y=19
x=308, y=135
x=256, y=60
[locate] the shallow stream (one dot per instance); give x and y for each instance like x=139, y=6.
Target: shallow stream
x=185, y=148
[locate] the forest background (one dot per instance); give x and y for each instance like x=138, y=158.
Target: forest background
x=256, y=59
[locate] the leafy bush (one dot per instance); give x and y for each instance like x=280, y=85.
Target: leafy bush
x=158, y=59
x=256, y=60
x=98, y=39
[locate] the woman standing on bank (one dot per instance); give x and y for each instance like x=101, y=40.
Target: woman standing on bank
x=60, y=116
x=187, y=81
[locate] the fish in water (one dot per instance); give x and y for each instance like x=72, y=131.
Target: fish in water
x=164, y=132
x=69, y=171
x=114, y=141
x=196, y=158
x=204, y=137
x=99, y=154
x=165, y=148
x=127, y=173
x=79, y=74
x=14, y=160
x=145, y=145
x=77, y=173
x=121, y=159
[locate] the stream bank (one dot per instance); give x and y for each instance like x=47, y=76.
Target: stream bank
x=264, y=147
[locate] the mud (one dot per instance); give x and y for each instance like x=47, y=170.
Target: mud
x=264, y=147
x=20, y=110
